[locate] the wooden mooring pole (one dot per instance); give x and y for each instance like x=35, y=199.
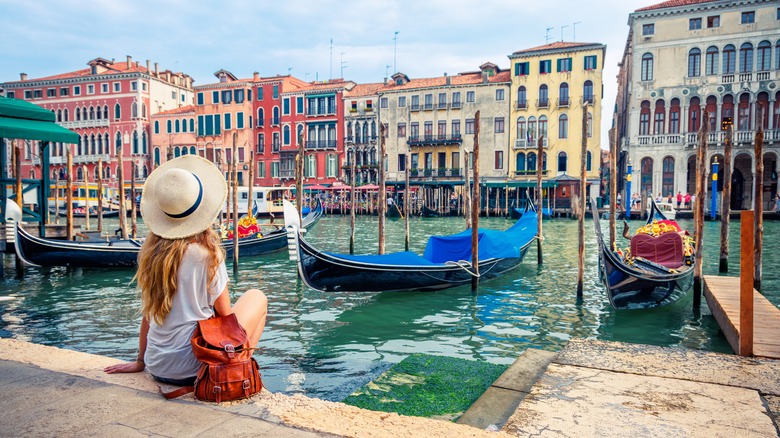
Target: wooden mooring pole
x=86, y=197
x=475, y=207
x=352, y=210
x=407, y=197
x=759, y=197
x=698, y=213
x=540, y=197
x=120, y=180
x=581, y=207
x=725, y=204
x=69, y=196
x=133, y=204
x=300, y=167
x=234, y=184
x=746, y=282
x=382, y=202
x=100, y=195
x=613, y=180
x=467, y=195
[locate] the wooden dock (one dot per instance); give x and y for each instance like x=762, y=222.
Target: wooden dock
x=722, y=294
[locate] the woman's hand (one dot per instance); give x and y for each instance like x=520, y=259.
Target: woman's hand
x=127, y=367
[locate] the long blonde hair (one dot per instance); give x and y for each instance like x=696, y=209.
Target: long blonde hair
x=158, y=268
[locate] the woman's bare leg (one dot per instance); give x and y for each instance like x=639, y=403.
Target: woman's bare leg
x=251, y=309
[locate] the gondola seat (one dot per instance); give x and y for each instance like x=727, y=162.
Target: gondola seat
x=665, y=250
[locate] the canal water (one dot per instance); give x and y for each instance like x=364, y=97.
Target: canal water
x=326, y=345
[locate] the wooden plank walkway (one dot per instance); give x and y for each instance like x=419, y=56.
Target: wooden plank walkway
x=722, y=294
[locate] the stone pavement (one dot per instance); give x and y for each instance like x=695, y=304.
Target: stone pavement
x=591, y=388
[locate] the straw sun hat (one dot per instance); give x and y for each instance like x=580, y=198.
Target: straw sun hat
x=182, y=197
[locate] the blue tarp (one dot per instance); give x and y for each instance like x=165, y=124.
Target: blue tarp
x=457, y=247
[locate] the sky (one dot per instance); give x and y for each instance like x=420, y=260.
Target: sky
x=363, y=41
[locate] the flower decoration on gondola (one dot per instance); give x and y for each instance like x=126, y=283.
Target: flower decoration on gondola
x=247, y=226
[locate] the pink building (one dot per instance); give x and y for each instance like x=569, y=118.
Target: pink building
x=109, y=104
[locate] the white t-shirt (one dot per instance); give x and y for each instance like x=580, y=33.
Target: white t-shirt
x=168, y=348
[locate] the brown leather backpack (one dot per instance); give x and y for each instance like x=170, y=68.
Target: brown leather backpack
x=227, y=371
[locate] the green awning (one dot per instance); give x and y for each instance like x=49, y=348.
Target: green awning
x=35, y=130
x=20, y=109
x=513, y=184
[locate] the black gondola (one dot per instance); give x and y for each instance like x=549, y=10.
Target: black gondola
x=446, y=262
x=80, y=214
x=117, y=253
x=429, y=212
x=653, y=274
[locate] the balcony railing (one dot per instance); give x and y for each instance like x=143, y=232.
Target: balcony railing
x=521, y=105
x=588, y=100
x=456, y=105
x=745, y=77
x=542, y=103
x=529, y=172
x=275, y=121
x=442, y=105
x=275, y=147
x=284, y=173
x=763, y=75
x=94, y=123
x=326, y=112
x=563, y=102
x=434, y=140
x=414, y=107
x=428, y=107
x=522, y=143
x=727, y=79
x=320, y=144
x=91, y=158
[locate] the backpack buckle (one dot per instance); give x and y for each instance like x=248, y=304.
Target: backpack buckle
x=230, y=350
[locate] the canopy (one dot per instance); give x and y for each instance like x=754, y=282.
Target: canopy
x=20, y=119
x=513, y=184
x=316, y=187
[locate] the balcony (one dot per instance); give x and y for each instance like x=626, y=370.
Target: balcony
x=275, y=146
x=92, y=158
x=522, y=143
x=275, y=121
x=430, y=140
x=727, y=79
x=320, y=144
x=563, y=102
x=285, y=173
x=428, y=107
x=745, y=77
x=529, y=172
x=456, y=105
x=542, y=103
x=442, y=106
x=588, y=99
x=521, y=105
x=260, y=123
x=763, y=75
x=330, y=111
x=414, y=107
x=76, y=124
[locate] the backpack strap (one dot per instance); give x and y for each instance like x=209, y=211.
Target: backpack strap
x=176, y=392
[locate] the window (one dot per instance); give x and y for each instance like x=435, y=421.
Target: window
x=694, y=24
x=648, y=29
x=63, y=92
x=667, y=178
x=499, y=125
x=259, y=93
x=644, y=118
x=469, y=96
x=589, y=162
x=299, y=105
x=415, y=134
x=746, y=58
x=428, y=130
x=456, y=99
x=117, y=112
x=521, y=69
x=590, y=62
x=134, y=86
x=286, y=135
x=274, y=169
x=694, y=63
x=104, y=88
x=587, y=91
x=214, y=97
x=500, y=94
x=469, y=126
x=51, y=92
x=521, y=131
x=286, y=106
x=238, y=96
x=77, y=90
x=563, y=94
x=563, y=126
x=499, y=160
x=764, y=58
x=200, y=99
x=383, y=102
x=401, y=130
x=441, y=129
x=521, y=97
x=711, y=61
x=545, y=67
x=456, y=129
x=261, y=143
x=658, y=117
x=415, y=103
x=543, y=126
x=674, y=116
x=564, y=65
x=729, y=60
x=227, y=97
x=428, y=102
x=543, y=96
x=713, y=21
x=748, y=17
x=590, y=125
x=117, y=87
x=228, y=121
x=694, y=114
x=647, y=67
x=276, y=91
x=562, y=158
x=369, y=105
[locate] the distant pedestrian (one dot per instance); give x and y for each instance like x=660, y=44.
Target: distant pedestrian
x=679, y=199
x=777, y=203
x=687, y=200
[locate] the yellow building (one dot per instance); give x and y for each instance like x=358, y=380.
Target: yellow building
x=549, y=86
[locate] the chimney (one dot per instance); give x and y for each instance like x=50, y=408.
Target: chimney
x=447, y=79
x=129, y=61
x=484, y=77
x=385, y=82
x=167, y=76
x=157, y=69
x=148, y=67
x=256, y=75
x=23, y=76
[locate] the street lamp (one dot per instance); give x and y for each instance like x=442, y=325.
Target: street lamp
x=630, y=169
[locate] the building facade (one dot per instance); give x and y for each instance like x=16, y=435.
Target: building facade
x=109, y=104
x=682, y=58
x=551, y=85
x=361, y=133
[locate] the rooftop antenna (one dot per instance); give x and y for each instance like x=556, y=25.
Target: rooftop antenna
x=289, y=69
x=395, y=45
x=387, y=69
x=331, y=58
x=547, y=35
x=574, y=30
x=343, y=65
x=563, y=27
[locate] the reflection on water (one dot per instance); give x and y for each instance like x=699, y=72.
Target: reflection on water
x=328, y=344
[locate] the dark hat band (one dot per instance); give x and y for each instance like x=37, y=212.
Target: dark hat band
x=194, y=206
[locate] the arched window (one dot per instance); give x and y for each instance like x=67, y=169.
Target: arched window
x=744, y=112
x=59, y=115
x=764, y=61
x=117, y=112
x=156, y=157
x=644, y=118
x=729, y=60
x=777, y=62
x=118, y=141
x=543, y=95
x=156, y=126
x=544, y=161
x=694, y=111
x=92, y=145
x=667, y=178
x=522, y=133
x=169, y=127
x=176, y=152
x=78, y=114
x=562, y=162
x=135, y=142
x=521, y=97
x=711, y=61
x=587, y=91
x=65, y=115
x=658, y=117
x=143, y=114
x=100, y=144
x=694, y=62
x=712, y=113
x=674, y=116
x=275, y=121
x=192, y=125
x=193, y=151
x=563, y=94
x=260, y=117
x=590, y=125
x=91, y=113
x=299, y=134
x=134, y=110
x=646, y=176
x=107, y=143
x=143, y=142
x=746, y=58
x=184, y=150
x=531, y=161
x=84, y=113
x=177, y=125
x=589, y=161
x=105, y=112
x=762, y=100
x=563, y=126
x=543, y=126
x=532, y=128
x=647, y=67
x=520, y=162
x=286, y=134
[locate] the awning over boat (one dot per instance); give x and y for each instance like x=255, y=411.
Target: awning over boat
x=521, y=184
x=23, y=120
